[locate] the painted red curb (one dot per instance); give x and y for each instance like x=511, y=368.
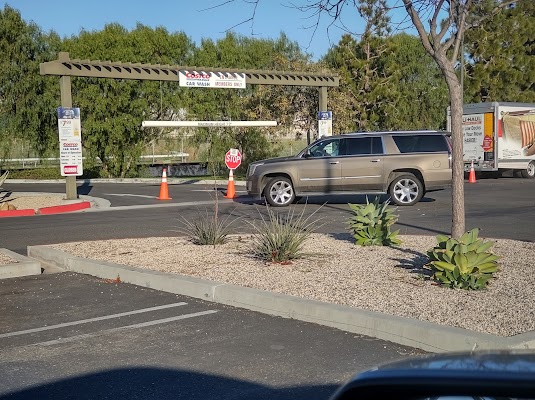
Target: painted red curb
x=17, y=213
x=65, y=208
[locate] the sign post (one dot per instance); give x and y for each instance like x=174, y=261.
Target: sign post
x=232, y=161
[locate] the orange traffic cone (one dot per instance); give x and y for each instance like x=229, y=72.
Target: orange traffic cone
x=231, y=191
x=164, y=191
x=472, y=176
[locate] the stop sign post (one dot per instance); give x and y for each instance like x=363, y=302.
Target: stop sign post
x=233, y=159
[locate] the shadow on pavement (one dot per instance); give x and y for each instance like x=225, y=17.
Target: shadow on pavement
x=338, y=199
x=85, y=188
x=161, y=384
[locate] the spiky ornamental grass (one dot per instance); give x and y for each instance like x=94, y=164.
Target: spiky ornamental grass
x=280, y=238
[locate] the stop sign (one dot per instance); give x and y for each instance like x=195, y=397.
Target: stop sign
x=233, y=158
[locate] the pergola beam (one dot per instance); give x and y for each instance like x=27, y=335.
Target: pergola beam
x=64, y=66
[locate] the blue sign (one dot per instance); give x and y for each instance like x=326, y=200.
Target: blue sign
x=325, y=115
x=68, y=113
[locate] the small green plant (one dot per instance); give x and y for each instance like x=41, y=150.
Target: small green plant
x=371, y=222
x=463, y=263
x=280, y=238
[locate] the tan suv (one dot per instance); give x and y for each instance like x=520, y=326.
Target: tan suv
x=403, y=164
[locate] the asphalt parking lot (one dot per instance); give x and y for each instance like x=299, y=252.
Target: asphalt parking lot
x=75, y=336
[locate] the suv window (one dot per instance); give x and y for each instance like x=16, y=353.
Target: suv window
x=420, y=143
x=325, y=148
x=362, y=146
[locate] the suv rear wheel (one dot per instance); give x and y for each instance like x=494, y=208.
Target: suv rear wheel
x=406, y=190
x=279, y=192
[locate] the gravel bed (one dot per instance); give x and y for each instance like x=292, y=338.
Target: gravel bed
x=383, y=279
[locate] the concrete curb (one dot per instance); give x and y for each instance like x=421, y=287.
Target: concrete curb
x=64, y=208
x=82, y=203
x=24, y=267
x=17, y=213
x=421, y=334
x=170, y=181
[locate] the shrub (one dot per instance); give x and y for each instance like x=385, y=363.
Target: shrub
x=280, y=238
x=36, y=173
x=371, y=222
x=463, y=263
x=208, y=229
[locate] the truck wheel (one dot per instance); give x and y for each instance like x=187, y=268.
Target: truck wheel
x=529, y=172
x=279, y=192
x=406, y=190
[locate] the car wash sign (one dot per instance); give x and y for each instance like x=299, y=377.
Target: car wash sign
x=70, y=141
x=229, y=80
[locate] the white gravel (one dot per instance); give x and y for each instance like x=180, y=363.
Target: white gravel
x=388, y=280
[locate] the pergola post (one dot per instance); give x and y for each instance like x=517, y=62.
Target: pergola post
x=322, y=98
x=66, y=101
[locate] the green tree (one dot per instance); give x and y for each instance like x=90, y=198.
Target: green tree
x=411, y=97
x=365, y=76
x=420, y=93
x=113, y=109
x=501, y=55
x=27, y=100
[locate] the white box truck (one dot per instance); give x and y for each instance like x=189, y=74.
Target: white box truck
x=499, y=136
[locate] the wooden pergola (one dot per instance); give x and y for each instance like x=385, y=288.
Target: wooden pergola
x=65, y=67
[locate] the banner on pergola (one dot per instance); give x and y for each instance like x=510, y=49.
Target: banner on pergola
x=218, y=79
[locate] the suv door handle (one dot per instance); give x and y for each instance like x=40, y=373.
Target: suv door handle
x=334, y=162
x=378, y=160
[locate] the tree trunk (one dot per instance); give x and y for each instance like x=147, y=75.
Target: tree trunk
x=456, y=110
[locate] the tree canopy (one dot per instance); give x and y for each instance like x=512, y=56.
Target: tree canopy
x=387, y=81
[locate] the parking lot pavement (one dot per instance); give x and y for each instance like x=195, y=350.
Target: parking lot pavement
x=74, y=336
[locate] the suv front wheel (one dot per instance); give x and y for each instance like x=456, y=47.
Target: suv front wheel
x=279, y=192
x=406, y=190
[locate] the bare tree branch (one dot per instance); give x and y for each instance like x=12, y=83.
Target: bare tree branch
x=409, y=6
x=250, y=19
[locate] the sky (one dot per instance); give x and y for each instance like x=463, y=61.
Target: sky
x=198, y=19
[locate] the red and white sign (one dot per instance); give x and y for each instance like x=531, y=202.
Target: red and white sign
x=487, y=143
x=233, y=158
x=232, y=80
x=70, y=141
x=70, y=170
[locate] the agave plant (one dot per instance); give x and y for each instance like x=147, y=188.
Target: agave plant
x=463, y=263
x=371, y=224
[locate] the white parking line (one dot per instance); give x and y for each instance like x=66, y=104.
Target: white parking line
x=86, y=321
x=129, y=195
x=211, y=190
x=112, y=330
